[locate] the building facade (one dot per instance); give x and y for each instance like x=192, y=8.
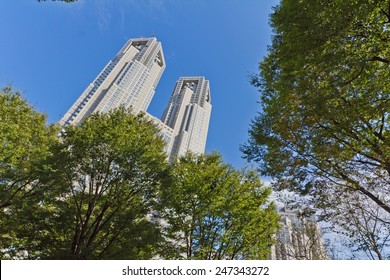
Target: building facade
x=130, y=80
x=299, y=238
x=188, y=115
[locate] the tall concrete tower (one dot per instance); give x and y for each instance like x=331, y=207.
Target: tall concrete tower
x=187, y=116
x=129, y=79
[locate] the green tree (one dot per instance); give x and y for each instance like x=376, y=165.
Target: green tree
x=111, y=168
x=324, y=120
x=216, y=212
x=323, y=128
x=25, y=140
x=102, y=182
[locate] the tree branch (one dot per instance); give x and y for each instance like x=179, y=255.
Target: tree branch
x=380, y=59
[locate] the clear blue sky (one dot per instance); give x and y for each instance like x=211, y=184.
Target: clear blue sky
x=51, y=51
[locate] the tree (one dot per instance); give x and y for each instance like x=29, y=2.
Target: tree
x=363, y=224
x=25, y=140
x=324, y=120
x=112, y=167
x=102, y=182
x=323, y=129
x=216, y=212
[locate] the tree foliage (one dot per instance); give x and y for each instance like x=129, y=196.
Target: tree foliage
x=323, y=128
x=100, y=184
x=105, y=190
x=24, y=140
x=324, y=122
x=214, y=211
x=108, y=172
x=363, y=226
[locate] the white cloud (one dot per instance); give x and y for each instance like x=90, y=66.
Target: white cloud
x=103, y=9
x=153, y=9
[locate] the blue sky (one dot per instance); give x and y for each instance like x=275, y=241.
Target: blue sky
x=51, y=51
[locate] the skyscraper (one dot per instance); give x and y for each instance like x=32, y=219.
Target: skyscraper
x=129, y=79
x=188, y=116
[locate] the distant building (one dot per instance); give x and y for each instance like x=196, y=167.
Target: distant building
x=130, y=80
x=300, y=238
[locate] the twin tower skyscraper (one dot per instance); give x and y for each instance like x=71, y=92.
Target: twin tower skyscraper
x=130, y=80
